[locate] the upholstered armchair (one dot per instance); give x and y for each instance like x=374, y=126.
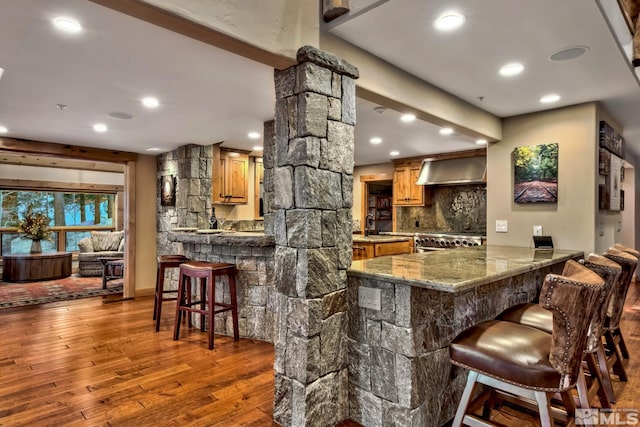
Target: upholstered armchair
x=100, y=244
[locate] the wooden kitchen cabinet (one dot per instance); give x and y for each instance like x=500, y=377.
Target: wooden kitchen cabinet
x=405, y=190
x=230, y=176
x=368, y=250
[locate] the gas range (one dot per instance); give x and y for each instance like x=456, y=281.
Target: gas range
x=440, y=241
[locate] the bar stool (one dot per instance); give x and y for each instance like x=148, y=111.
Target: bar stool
x=164, y=262
x=207, y=273
x=526, y=361
x=612, y=333
x=536, y=316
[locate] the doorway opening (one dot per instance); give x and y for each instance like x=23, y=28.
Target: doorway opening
x=378, y=207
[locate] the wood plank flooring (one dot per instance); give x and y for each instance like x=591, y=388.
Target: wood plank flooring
x=98, y=362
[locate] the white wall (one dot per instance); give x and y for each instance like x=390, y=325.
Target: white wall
x=35, y=173
x=571, y=221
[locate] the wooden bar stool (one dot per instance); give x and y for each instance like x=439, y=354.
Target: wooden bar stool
x=209, y=307
x=164, y=262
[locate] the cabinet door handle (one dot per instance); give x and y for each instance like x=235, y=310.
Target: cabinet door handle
x=359, y=248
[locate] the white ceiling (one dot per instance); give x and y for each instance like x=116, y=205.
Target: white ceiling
x=465, y=62
x=208, y=95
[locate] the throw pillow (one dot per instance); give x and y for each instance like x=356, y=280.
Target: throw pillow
x=106, y=240
x=86, y=245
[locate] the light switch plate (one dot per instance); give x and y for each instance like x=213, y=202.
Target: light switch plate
x=502, y=226
x=369, y=298
x=537, y=230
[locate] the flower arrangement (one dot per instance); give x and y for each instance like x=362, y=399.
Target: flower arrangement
x=35, y=226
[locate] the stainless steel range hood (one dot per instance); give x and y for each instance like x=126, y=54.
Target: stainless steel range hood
x=468, y=170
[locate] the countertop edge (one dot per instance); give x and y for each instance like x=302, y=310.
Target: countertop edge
x=465, y=285
x=224, y=239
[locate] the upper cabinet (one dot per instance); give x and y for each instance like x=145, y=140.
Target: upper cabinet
x=230, y=176
x=405, y=190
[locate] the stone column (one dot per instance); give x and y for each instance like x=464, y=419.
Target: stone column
x=313, y=184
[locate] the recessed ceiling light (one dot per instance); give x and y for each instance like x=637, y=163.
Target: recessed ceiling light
x=3, y=129
x=375, y=140
x=99, y=127
x=154, y=149
x=512, y=69
x=481, y=141
x=253, y=135
x=550, y=98
x=257, y=148
x=67, y=24
x=569, y=53
x=449, y=21
x=408, y=118
x=394, y=153
x=446, y=131
x=150, y=102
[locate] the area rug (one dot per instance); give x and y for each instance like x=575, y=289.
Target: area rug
x=74, y=287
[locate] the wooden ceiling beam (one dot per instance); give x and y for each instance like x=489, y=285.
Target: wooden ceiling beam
x=58, y=163
x=48, y=149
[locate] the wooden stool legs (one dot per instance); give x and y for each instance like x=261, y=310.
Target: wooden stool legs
x=164, y=262
x=207, y=306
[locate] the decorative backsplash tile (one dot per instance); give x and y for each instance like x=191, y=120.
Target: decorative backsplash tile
x=457, y=208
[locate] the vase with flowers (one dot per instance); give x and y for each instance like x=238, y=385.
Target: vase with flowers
x=35, y=226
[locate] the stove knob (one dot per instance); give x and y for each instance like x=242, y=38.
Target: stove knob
x=458, y=243
x=441, y=242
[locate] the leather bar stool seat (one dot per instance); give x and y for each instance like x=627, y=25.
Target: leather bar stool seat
x=507, y=351
x=523, y=361
x=206, y=306
x=164, y=262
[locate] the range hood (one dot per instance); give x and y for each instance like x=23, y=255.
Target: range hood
x=468, y=170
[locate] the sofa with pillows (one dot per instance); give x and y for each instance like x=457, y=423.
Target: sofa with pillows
x=100, y=244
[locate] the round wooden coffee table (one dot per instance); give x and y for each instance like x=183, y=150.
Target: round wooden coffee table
x=34, y=267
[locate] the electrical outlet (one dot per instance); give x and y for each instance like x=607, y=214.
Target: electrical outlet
x=502, y=226
x=417, y=224
x=537, y=230
x=369, y=298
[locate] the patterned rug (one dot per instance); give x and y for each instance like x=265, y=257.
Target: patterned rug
x=74, y=287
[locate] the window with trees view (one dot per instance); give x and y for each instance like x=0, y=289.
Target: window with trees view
x=72, y=215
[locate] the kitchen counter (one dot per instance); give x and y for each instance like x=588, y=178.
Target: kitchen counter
x=456, y=270
x=225, y=238
x=399, y=353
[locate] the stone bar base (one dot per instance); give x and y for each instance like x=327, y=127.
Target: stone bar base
x=253, y=258
x=399, y=368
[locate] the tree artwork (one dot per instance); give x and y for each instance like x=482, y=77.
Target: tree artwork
x=536, y=174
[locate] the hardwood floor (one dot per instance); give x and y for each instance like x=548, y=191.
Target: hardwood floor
x=98, y=362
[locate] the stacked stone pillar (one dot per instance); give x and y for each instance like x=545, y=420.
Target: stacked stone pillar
x=312, y=180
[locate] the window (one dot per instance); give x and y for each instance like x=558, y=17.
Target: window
x=73, y=216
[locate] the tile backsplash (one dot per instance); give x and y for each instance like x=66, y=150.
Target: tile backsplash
x=459, y=208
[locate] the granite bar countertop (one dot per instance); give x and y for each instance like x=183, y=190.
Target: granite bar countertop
x=457, y=270
x=226, y=238
x=378, y=238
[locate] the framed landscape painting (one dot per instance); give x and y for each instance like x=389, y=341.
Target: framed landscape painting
x=536, y=174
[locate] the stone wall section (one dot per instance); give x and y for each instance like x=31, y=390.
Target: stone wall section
x=398, y=357
x=191, y=165
x=311, y=166
x=254, y=287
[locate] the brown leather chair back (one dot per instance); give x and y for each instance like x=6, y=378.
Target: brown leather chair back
x=616, y=306
x=627, y=249
x=573, y=298
x=610, y=272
